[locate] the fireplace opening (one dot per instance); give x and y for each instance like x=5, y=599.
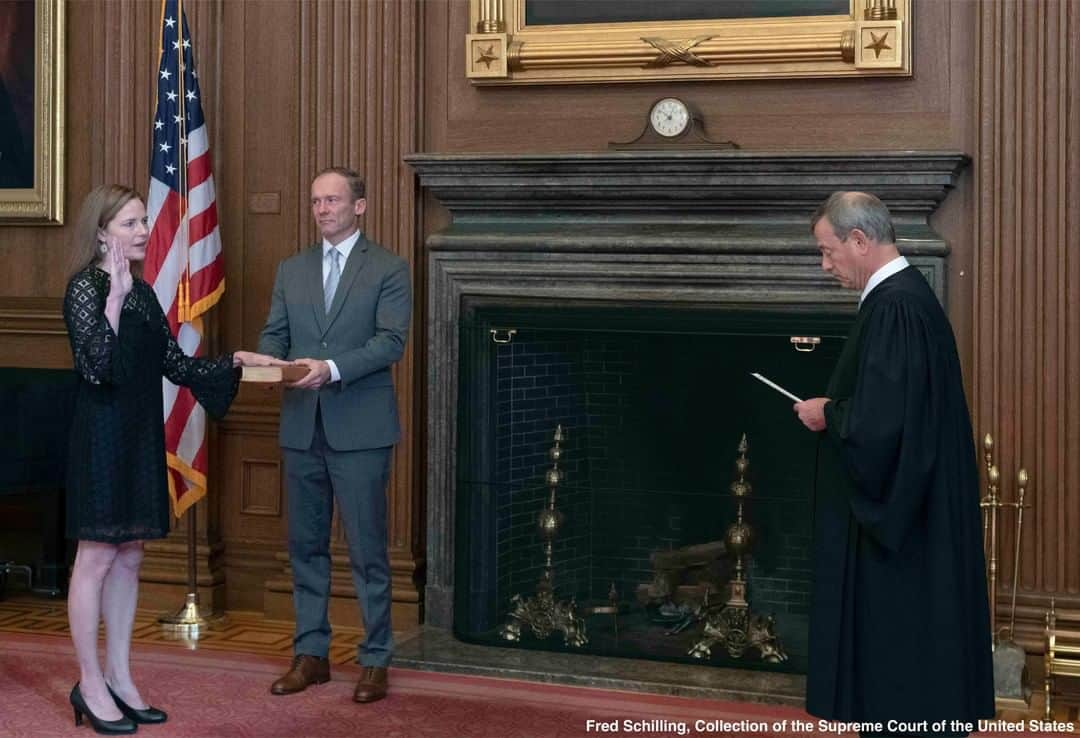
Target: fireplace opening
x=651, y=405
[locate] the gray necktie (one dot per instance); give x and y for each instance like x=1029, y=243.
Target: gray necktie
x=332, y=278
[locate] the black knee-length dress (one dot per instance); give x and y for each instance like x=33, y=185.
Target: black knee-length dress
x=117, y=488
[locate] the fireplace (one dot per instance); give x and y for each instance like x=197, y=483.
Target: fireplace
x=625, y=298
x=652, y=404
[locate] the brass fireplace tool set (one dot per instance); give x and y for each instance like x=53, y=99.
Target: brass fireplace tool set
x=542, y=613
x=1011, y=685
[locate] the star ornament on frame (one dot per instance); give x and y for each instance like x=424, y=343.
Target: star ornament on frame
x=877, y=44
x=486, y=56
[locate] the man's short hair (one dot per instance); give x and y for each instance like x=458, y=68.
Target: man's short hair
x=356, y=182
x=846, y=211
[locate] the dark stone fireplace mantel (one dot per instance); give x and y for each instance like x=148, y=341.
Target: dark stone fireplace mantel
x=693, y=229
x=780, y=183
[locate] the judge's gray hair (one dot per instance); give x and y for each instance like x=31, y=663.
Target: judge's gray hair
x=846, y=211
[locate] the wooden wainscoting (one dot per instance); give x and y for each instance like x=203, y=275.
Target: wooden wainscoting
x=32, y=333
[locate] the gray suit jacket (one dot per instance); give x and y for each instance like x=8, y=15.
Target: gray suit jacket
x=364, y=333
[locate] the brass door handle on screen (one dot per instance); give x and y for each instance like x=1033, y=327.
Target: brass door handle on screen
x=806, y=344
x=502, y=335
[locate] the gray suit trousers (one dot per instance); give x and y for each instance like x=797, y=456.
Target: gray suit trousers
x=356, y=481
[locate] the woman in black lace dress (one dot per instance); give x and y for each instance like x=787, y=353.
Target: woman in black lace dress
x=117, y=492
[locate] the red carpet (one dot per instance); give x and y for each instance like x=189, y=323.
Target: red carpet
x=215, y=695
x=211, y=695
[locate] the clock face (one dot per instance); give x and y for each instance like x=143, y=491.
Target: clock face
x=669, y=117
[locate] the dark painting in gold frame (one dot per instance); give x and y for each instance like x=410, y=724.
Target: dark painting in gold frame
x=873, y=38
x=566, y=12
x=31, y=112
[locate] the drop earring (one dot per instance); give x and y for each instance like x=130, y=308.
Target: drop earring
x=102, y=247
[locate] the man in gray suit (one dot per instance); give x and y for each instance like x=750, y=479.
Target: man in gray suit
x=342, y=308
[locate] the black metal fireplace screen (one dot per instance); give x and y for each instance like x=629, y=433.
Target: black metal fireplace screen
x=651, y=404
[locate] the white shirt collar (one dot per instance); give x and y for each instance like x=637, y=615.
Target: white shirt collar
x=896, y=265
x=345, y=247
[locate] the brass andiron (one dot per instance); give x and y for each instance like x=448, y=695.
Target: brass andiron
x=734, y=626
x=542, y=613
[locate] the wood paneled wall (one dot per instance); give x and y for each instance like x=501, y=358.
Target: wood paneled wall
x=292, y=86
x=1027, y=300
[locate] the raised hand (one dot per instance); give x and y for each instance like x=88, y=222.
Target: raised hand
x=119, y=268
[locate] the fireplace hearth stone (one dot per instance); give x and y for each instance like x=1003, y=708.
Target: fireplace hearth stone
x=436, y=649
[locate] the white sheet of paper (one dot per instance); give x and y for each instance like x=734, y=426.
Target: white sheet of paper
x=775, y=386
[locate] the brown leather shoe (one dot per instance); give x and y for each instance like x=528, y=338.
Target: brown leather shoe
x=374, y=681
x=305, y=670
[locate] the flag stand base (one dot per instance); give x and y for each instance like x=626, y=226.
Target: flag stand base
x=187, y=623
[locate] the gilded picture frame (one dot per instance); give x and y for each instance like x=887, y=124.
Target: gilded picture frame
x=872, y=39
x=32, y=112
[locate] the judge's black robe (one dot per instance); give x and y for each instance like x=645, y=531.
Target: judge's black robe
x=899, y=623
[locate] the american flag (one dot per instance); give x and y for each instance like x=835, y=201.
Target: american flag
x=183, y=260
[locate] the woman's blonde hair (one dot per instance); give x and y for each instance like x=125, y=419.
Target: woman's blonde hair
x=98, y=210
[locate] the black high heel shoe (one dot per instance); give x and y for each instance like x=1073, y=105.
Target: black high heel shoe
x=122, y=726
x=149, y=715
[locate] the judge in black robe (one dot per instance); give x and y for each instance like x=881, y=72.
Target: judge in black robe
x=899, y=622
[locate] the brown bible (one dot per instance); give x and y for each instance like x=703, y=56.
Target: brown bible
x=273, y=374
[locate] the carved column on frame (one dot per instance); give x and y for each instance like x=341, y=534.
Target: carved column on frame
x=487, y=43
x=1026, y=316
x=359, y=107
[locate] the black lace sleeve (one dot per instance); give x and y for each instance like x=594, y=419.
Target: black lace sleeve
x=214, y=382
x=98, y=357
